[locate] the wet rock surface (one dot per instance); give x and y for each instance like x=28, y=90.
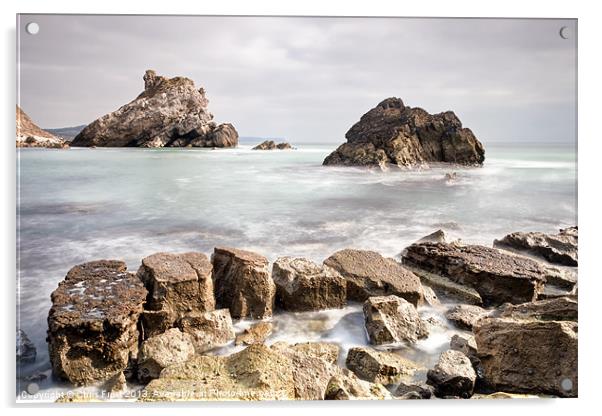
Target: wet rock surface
x=453, y=375
x=208, y=329
x=393, y=133
x=302, y=285
x=92, y=325
x=243, y=283
x=391, y=319
x=465, y=316
x=528, y=356
x=169, y=112
x=497, y=277
x=161, y=351
x=379, y=366
x=558, y=248
x=370, y=274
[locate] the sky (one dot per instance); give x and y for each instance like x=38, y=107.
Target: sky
x=309, y=79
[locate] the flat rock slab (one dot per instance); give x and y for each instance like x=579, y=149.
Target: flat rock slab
x=379, y=366
x=370, y=274
x=243, y=283
x=497, y=277
x=178, y=283
x=256, y=373
x=556, y=309
x=391, y=319
x=528, y=356
x=445, y=287
x=558, y=248
x=302, y=285
x=92, y=325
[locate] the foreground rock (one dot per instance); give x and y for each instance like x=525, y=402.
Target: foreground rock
x=391, y=319
x=347, y=386
x=393, y=133
x=496, y=276
x=528, y=356
x=414, y=391
x=271, y=145
x=169, y=112
x=256, y=373
x=257, y=333
x=302, y=285
x=177, y=284
x=465, y=316
x=92, y=325
x=243, y=283
x=556, y=309
x=370, y=274
x=208, y=329
x=379, y=366
x=161, y=351
x=30, y=135
x=453, y=375
x=558, y=248
x=26, y=351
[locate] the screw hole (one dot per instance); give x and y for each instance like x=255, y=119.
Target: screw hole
x=32, y=28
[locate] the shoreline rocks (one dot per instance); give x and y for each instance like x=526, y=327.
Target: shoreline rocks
x=369, y=274
x=92, y=325
x=465, y=316
x=169, y=112
x=302, y=285
x=30, y=135
x=271, y=145
x=161, y=351
x=393, y=133
x=391, y=319
x=208, y=329
x=453, y=375
x=257, y=333
x=558, y=248
x=379, y=366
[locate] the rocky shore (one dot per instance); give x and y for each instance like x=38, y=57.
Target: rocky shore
x=393, y=133
x=30, y=135
x=161, y=327
x=272, y=145
x=170, y=112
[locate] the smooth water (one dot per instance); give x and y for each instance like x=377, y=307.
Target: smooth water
x=79, y=205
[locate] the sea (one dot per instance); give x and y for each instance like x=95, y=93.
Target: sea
x=83, y=204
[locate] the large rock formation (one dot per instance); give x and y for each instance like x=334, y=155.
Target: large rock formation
x=393, y=133
x=558, y=248
x=92, y=325
x=169, y=112
x=497, y=277
x=30, y=135
x=243, y=283
x=370, y=274
x=302, y=285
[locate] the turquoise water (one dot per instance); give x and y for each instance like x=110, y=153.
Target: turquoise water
x=79, y=205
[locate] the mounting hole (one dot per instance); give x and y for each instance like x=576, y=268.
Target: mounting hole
x=566, y=384
x=564, y=32
x=32, y=28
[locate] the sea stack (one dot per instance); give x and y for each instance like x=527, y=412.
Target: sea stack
x=169, y=112
x=30, y=135
x=395, y=134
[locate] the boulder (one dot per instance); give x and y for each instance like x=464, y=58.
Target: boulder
x=92, y=325
x=497, y=277
x=465, y=316
x=379, y=366
x=438, y=236
x=271, y=145
x=30, y=135
x=257, y=333
x=555, y=309
x=208, y=329
x=391, y=319
x=156, y=322
x=558, y=248
x=453, y=375
x=169, y=112
x=177, y=283
x=347, y=386
x=370, y=274
x=528, y=356
x=26, y=351
x=393, y=133
x=302, y=285
x=414, y=391
x=255, y=373
x=243, y=283
x=466, y=344
x=156, y=353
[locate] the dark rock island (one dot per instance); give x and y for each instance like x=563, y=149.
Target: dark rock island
x=169, y=112
x=393, y=133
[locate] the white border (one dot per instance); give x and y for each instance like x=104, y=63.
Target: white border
x=589, y=182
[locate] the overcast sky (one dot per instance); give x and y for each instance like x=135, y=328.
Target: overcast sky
x=309, y=79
